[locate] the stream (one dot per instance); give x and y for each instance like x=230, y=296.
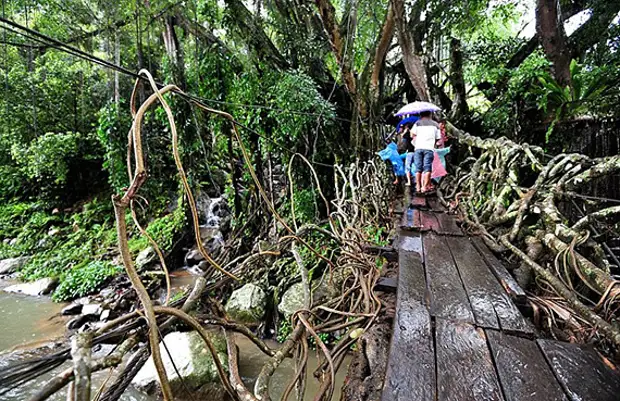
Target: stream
x=30, y=322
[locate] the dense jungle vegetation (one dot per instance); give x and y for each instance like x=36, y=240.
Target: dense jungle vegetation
x=320, y=78
x=125, y=124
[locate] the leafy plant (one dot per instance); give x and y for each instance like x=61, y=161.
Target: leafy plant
x=571, y=100
x=84, y=279
x=284, y=330
x=48, y=156
x=377, y=235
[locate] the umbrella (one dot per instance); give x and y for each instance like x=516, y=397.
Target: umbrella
x=409, y=120
x=417, y=108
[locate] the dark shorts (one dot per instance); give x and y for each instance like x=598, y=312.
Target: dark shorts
x=423, y=160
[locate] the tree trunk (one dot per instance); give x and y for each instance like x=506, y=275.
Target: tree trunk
x=550, y=29
x=412, y=57
x=328, y=18
x=174, y=51
x=117, y=61
x=460, y=109
x=383, y=45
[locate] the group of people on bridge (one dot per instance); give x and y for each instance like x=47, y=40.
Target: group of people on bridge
x=418, y=151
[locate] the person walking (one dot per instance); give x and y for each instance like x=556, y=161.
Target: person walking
x=408, y=139
x=426, y=137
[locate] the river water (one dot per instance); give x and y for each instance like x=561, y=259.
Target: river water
x=29, y=322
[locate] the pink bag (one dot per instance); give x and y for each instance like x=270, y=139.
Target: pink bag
x=438, y=169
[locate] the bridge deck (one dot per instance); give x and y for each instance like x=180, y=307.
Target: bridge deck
x=458, y=334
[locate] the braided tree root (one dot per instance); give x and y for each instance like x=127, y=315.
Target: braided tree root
x=494, y=203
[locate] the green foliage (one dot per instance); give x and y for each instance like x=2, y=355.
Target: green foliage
x=48, y=156
x=284, y=330
x=112, y=135
x=305, y=206
x=69, y=247
x=377, y=235
x=165, y=230
x=503, y=118
x=84, y=279
x=572, y=100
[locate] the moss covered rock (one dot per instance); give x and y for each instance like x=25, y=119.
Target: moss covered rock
x=192, y=359
x=247, y=304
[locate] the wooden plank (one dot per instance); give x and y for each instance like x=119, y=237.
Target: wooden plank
x=435, y=205
x=465, y=370
x=497, y=267
x=522, y=369
x=491, y=305
x=398, y=206
x=419, y=202
x=584, y=374
x=478, y=280
x=411, y=242
x=411, y=220
x=429, y=222
x=410, y=372
x=406, y=222
x=447, y=294
x=411, y=278
x=448, y=225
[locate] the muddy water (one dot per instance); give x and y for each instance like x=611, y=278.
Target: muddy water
x=251, y=361
x=28, y=322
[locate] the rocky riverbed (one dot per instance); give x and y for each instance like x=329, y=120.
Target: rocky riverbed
x=38, y=321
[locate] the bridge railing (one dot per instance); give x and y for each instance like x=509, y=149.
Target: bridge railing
x=518, y=198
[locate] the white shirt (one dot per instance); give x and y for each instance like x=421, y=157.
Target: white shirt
x=426, y=134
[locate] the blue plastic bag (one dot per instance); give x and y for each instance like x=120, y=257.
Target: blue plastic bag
x=391, y=153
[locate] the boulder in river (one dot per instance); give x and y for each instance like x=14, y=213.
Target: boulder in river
x=193, y=257
x=293, y=298
x=247, y=304
x=40, y=287
x=72, y=309
x=145, y=257
x=8, y=266
x=192, y=359
x=79, y=321
x=91, y=309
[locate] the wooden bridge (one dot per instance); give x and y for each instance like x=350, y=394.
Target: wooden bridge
x=458, y=334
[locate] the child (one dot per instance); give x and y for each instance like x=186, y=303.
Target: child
x=410, y=149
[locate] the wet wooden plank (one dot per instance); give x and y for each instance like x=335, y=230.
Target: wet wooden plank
x=411, y=242
x=418, y=202
x=465, y=370
x=411, y=220
x=411, y=278
x=410, y=372
x=398, y=206
x=523, y=371
x=447, y=294
x=491, y=305
x=584, y=374
x=448, y=225
x=478, y=280
x=428, y=221
x=435, y=205
x=407, y=220
x=497, y=267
